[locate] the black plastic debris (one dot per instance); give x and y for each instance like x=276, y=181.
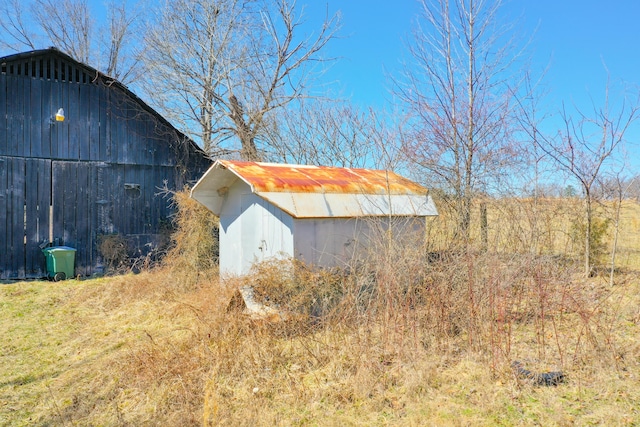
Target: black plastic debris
x=552, y=378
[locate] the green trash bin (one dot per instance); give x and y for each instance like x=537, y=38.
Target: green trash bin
x=60, y=262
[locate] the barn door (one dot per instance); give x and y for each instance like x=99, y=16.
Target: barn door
x=73, y=209
x=41, y=201
x=25, y=195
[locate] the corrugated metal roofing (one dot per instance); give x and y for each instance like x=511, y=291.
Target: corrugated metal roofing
x=317, y=191
x=281, y=178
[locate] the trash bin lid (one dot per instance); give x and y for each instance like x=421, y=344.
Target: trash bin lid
x=59, y=248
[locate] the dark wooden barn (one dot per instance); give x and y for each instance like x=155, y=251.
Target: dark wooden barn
x=96, y=173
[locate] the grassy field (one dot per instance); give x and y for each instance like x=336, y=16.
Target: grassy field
x=160, y=348
x=130, y=351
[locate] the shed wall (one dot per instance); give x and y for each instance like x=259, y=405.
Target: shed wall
x=251, y=230
x=331, y=242
x=327, y=242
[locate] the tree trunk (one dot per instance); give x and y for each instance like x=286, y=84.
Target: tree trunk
x=249, y=151
x=484, y=227
x=471, y=123
x=587, y=237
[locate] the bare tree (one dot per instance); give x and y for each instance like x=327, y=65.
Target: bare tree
x=117, y=41
x=225, y=66
x=584, y=147
x=457, y=91
x=325, y=132
x=69, y=25
x=529, y=119
x=14, y=23
x=616, y=188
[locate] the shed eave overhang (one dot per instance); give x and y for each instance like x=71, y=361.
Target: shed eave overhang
x=331, y=205
x=210, y=188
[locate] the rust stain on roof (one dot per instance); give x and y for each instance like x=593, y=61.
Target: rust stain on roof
x=271, y=177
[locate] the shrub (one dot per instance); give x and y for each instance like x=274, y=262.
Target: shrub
x=114, y=249
x=599, y=228
x=297, y=288
x=193, y=253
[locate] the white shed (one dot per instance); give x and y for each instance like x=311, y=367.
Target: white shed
x=313, y=213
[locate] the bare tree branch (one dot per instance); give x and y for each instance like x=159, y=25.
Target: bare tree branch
x=585, y=146
x=226, y=65
x=117, y=40
x=67, y=23
x=331, y=133
x=458, y=90
x=14, y=25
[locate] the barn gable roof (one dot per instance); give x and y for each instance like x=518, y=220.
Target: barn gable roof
x=53, y=64
x=317, y=191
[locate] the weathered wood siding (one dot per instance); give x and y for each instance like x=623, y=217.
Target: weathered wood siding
x=98, y=172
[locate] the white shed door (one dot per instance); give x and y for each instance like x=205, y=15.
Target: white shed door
x=251, y=232
x=267, y=232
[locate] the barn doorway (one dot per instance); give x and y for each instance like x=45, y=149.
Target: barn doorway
x=45, y=201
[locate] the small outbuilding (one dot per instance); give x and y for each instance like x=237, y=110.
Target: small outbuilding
x=324, y=216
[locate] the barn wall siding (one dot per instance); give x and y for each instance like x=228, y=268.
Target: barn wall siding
x=98, y=172
x=102, y=124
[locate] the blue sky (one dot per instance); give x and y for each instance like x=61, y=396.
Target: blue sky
x=574, y=40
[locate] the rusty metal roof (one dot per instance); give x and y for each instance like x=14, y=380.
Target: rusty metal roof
x=272, y=177
x=317, y=191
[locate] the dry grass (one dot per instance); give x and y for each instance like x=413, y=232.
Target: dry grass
x=544, y=226
x=132, y=350
x=400, y=340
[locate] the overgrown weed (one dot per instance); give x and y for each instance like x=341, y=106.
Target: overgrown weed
x=192, y=257
x=401, y=336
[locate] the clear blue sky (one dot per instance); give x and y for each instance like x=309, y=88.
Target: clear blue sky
x=573, y=39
